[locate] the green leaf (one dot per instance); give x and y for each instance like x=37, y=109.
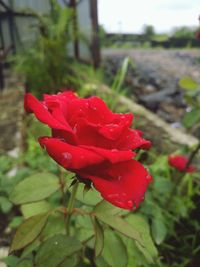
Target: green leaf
x=90, y=199
x=120, y=225
x=34, y=188
x=188, y=83
x=55, y=250
x=114, y=251
x=25, y=263
x=32, y=209
x=120, y=77
x=28, y=231
x=162, y=185
x=11, y=261
x=104, y=206
x=191, y=118
x=16, y=221
x=84, y=228
x=71, y=262
x=31, y=247
x=5, y=204
x=135, y=256
x=148, y=248
x=159, y=230
x=100, y=262
x=99, y=238
x=54, y=226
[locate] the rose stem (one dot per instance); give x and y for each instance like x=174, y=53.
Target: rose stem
x=70, y=206
x=180, y=178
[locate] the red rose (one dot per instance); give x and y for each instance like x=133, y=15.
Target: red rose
x=179, y=162
x=198, y=35
x=95, y=143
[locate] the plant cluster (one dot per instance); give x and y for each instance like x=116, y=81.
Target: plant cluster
x=57, y=227
x=48, y=64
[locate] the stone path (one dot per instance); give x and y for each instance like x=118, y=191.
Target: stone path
x=155, y=81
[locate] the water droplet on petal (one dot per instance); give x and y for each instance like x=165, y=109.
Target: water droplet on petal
x=111, y=196
x=75, y=128
x=94, y=108
x=120, y=203
x=130, y=204
x=67, y=156
x=148, y=177
x=114, y=150
x=119, y=177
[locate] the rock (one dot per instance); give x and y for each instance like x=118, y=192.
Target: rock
x=158, y=97
x=155, y=80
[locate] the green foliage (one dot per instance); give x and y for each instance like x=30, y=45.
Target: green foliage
x=28, y=231
x=114, y=251
x=34, y=188
x=191, y=119
x=117, y=84
x=184, y=32
x=55, y=250
x=188, y=83
x=99, y=238
x=48, y=65
x=148, y=32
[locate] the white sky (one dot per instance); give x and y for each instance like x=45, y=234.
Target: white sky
x=131, y=15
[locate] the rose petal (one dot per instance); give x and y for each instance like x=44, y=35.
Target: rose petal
x=93, y=109
x=62, y=100
x=111, y=131
x=179, y=162
x=131, y=139
x=122, y=184
x=69, y=156
x=112, y=155
x=42, y=114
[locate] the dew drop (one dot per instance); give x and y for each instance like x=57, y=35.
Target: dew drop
x=120, y=203
x=114, y=150
x=130, y=204
x=148, y=177
x=119, y=177
x=111, y=196
x=56, y=243
x=75, y=128
x=67, y=156
x=94, y=108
